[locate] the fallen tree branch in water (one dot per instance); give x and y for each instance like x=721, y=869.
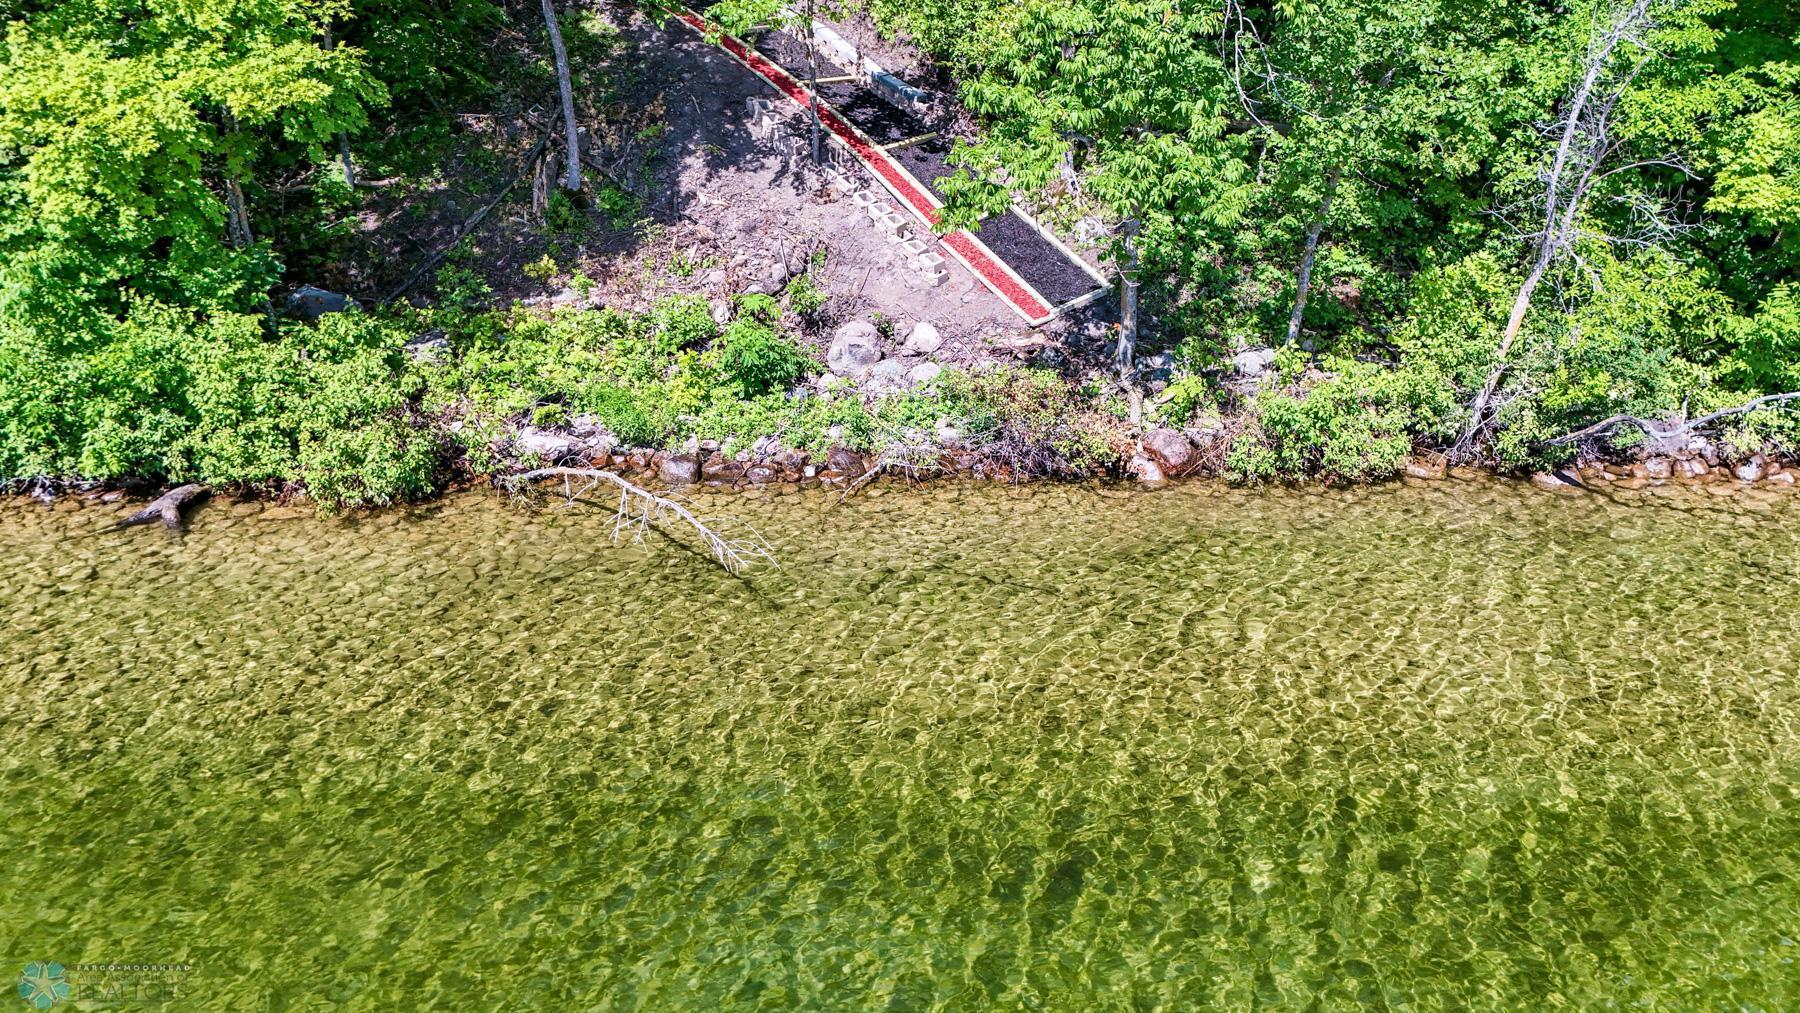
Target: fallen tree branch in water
x=907, y=459
x=639, y=508
x=165, y=508
x=1674, y=429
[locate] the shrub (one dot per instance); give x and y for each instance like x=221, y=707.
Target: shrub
x=542, y=269
x=550, y=416
x=754, y=359
x=1358, y=421
x=805, y=297
x=1033, y=418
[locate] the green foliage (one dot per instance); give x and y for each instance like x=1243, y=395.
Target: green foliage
x=542, y=269
x=550, y=416
x=160, y=396
x=561, y=214
x=1354, y=421
x=755, y=359
x=124, y=124
x=1035, y=418
x=805, y=297
x=621, y=208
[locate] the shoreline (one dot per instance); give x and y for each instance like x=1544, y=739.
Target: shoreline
x=847, y=471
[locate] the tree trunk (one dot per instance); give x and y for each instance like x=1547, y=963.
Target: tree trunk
x=1562, y=202
x=237, y=222
x=343, y=139
x=812, y=54
x=1303, y=282
x=571, y=142
x=1128, y=301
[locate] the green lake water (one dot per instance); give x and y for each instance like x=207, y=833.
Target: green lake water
x=1455, y=746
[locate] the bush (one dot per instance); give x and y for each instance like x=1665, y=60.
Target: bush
x=1035, y=419
x=1359, y=421
x=755, y=359
x=162, y=397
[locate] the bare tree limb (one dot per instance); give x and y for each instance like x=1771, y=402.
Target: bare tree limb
x=639, y=509
x=571, y=142
x=1584, y=144
x=468, y=226
x=1679, y=428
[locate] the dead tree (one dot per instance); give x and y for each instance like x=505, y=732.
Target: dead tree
x=165, y=508
x=1129, y=280
x=1584, y=155
x=1678, y=428
x=572, y=143
x=639, y=509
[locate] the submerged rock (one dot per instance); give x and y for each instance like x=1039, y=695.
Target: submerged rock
x=1148, y=471
x=1420, y=467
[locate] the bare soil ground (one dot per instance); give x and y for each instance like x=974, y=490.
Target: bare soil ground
x=691, y=202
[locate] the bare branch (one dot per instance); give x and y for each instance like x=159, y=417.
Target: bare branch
x=639, y=508
x=1687, y=428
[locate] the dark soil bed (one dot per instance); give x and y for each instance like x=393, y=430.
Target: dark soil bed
x=1039, y=262
x=881, y=120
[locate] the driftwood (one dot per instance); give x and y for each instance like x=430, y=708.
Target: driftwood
x=1687, y=428
x=639, y=508
x=165, y=508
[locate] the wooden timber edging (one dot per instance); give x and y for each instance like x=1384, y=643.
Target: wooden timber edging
x=971, y=252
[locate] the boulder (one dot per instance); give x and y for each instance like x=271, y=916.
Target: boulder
x=310, y=303
x=678, y=470
x=1691, y=468
x=721, y=469
x=948, y=436
x=924, y=372
x=1253, y=362
x=855, y=346
x=550, y=447
x=598, y=445
x=762, y=474
x=1658, y=467
x=1751, y=470
x=1783, y=478
x=888, y=375
x=923, y=339
x=775, y=277
x=721, y=312
x=428, y=347
x=1550, y=481
x=846, y=462
x=1170, y=448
